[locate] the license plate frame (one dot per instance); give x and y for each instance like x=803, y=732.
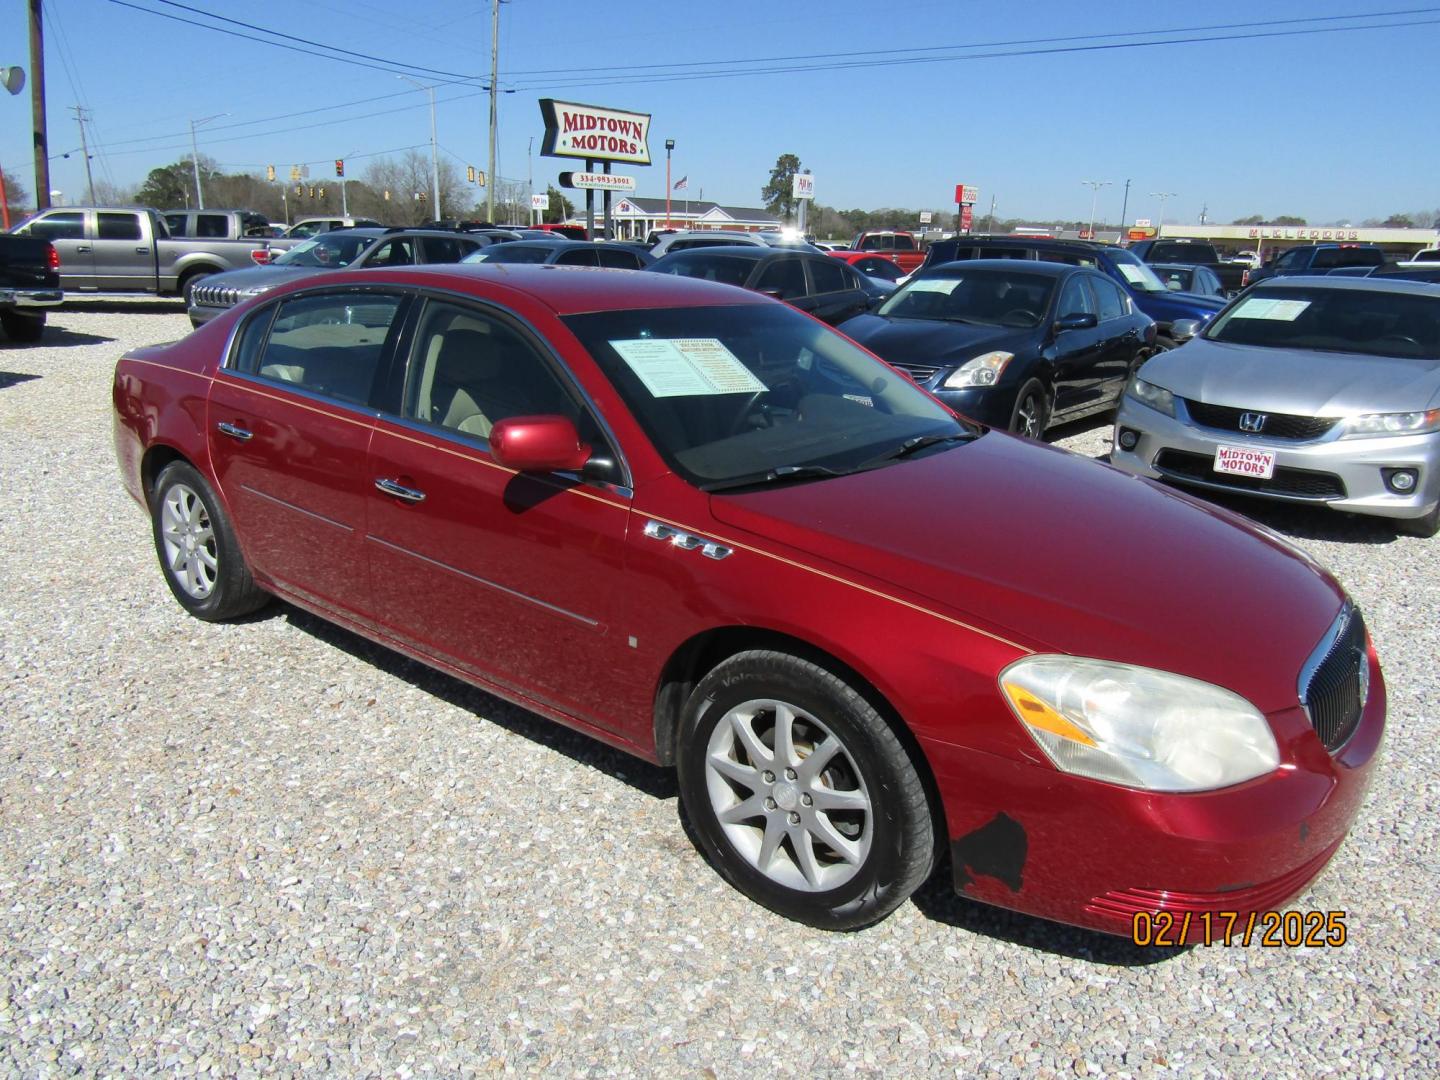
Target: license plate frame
x=1249, y=461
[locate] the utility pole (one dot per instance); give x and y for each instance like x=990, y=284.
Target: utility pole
x=530, y=179
x=1125, y=206
x=434, y=151
x=195, y=157
x=494, y=99
x=37, y=106
x=990, y=217
x=80, y=118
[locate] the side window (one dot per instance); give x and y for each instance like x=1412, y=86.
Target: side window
x=66, y=226
x=444, y=249
x=176, y=224
x=828, y=275
x=577, y=258
x=212, y=226
x=250, y=342
x=1076, y=298
x=468, y=371
x=1107, y=295
x=119, y=226
x=873, y=243
x=786, y=276
x=1291, y=260
x=1004, y=253
x=330, y=344
x=619, y=259
x=397, y=252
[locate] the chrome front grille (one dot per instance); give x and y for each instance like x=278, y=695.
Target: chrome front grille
x=1335, y=682
x=919, y=372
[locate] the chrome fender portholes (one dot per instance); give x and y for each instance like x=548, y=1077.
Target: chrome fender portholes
x=688, y=541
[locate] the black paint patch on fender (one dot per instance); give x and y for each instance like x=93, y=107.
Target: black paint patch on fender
x=997, y=849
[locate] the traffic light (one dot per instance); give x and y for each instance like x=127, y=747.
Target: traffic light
x=322, y=193
x=339, y=166
x=470, y=173
x=312, y=191
x=269, y=172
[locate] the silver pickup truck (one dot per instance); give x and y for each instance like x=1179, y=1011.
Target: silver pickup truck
x=129, y=249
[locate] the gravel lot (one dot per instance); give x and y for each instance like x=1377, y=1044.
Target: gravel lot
x=272, y=848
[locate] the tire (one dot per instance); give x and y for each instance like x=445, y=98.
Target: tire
x=197, y=549
x=837, y=846
x=1423, y=527
x=1031, y=414
x=20, y=327
x=1163, y=343
x=189, y=281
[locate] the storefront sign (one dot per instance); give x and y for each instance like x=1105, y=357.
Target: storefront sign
x=539, y=202
x=594, y=133
x=1275, y=232
x=597, y=181
x=803, y=186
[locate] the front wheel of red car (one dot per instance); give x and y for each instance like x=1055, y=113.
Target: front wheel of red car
x=198, y=552
x=801, y=794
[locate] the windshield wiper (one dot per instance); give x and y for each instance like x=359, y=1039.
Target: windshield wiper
x=915, y=445
x=779, y=474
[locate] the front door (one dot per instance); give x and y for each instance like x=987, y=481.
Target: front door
x=124, y=254
x=1077, y=352
x=290, y=421
x=512, y=577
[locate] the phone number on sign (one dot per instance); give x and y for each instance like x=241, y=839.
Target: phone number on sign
x=1269, y=929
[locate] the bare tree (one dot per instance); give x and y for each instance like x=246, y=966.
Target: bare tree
x=397, y=190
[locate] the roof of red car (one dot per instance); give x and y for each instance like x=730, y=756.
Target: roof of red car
x=567, y=290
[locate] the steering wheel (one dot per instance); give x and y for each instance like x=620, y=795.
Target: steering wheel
x=738, y=424
x=1019, y=317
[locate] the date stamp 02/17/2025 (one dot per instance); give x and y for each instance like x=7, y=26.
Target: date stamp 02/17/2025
x=1268, y=929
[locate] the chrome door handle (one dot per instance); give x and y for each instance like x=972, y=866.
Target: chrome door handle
x=235, y=432
x=390, y=487
x=142, y=251
x=82, y=250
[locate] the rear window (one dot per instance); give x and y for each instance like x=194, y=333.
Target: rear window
x=1171, y=252
x=726, y=269
x=1330, y=258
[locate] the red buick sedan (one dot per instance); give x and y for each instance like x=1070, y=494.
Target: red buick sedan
x=700, y=526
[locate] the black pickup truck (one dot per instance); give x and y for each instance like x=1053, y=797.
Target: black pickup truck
x=29, y=284
x=1192, y=253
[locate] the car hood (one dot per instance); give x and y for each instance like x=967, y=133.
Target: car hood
x=1169, y=306
x=260, y=278
x=1297, y=381
x=1059, y=553
x=932, y=342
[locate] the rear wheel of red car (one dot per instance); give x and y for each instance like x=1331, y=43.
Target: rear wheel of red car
x=801, y=794
x=198, y=552
x=1032, y=411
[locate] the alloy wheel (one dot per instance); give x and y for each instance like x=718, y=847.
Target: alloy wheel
x=189, y=541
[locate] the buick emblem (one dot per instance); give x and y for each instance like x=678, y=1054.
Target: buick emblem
x=1253, y=422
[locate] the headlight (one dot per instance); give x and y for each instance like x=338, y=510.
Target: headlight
x=982, y=371
x=1138, y=727
x=1392, y=423
x=1157, y=397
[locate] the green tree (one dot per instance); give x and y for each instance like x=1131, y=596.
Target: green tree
x=1289, y=219
x=559, y=208
x=777, y=194
x=17, y=199
x=172, y=187
x=1398, y=221
x=1253, y=219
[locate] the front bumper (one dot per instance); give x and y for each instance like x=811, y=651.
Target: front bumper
x=1345, y=474
x=200, y=314
x=31, y=298
x=1028, y=837
x=989, y=405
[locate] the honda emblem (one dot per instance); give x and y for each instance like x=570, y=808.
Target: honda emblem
x=1253, y=422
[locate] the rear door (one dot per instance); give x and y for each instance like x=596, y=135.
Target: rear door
x=1120, y=339
x=512, y=577
x=783, y=277
x=836, y=291
x=124, y=251
x=289, y=424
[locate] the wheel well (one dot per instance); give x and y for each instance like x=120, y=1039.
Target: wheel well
x=702, y=653
x=192, y=272
x=154, y=462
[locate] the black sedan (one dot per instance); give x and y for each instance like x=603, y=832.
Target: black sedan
x=824, y=287
x=559, y=251
x=1013, y=345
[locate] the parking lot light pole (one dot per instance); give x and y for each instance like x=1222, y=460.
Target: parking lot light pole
x=195, y=157
x=1094, y=186
x=434, y=152
x=1162, y=196
x=669, y=146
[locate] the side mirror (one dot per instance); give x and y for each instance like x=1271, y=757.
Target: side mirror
x=1076, y=320
x=774, y=294
x=1182, y=330
x=538, y=444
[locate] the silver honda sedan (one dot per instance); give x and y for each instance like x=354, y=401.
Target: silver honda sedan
x=1305, y=389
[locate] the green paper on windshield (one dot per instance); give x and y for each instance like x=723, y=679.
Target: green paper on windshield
x=687, y=367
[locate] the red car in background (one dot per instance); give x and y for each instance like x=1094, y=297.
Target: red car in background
x=871, y=264
x=899, y=247
x=703, y=527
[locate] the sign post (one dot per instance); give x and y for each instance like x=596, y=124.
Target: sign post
x=802, y=188
x=965, y=199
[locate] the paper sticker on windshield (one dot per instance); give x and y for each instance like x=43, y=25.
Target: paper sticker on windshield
x=686, y=367
x=1135, y=275
x=1279, y=310
x=946, y=285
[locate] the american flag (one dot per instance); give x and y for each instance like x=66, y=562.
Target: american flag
x=683, y=182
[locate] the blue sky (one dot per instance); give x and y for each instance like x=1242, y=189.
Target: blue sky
x=1331, y=126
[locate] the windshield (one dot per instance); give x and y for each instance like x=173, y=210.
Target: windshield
x=329, y=250
x=1364, y=321
x=986, y=297
x=509, y=253
x=733, y=393
x=1139, y=276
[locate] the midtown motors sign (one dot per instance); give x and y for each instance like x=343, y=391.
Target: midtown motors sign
x=594, y=133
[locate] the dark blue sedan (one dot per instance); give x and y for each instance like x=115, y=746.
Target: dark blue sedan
x=1017, y=345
